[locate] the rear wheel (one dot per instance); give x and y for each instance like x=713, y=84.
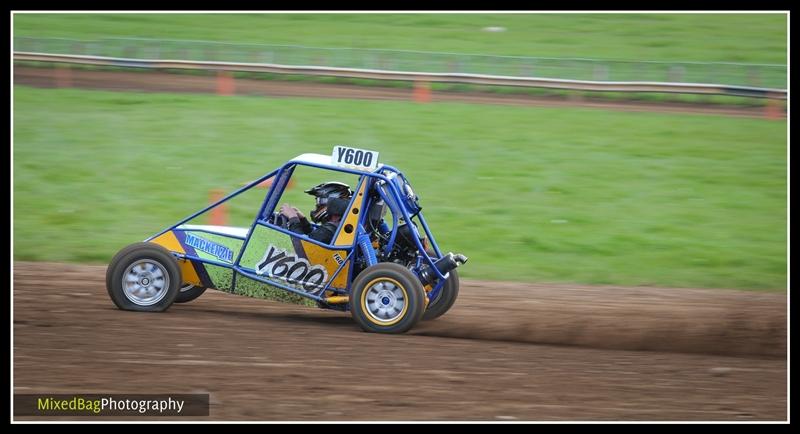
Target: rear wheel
x=189, y=292
x=387, y=298
x=143, y=277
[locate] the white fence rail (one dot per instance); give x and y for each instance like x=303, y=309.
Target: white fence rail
x=440, y=77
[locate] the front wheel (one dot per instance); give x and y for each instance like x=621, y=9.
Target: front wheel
x=143, y=277
x=387, y=298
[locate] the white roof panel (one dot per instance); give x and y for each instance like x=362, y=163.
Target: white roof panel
x=220, y=230
x=321, y=160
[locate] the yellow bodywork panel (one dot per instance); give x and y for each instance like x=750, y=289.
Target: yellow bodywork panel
x=169, y=241
x=328, y=258
x=351, y=220
x=188, y=272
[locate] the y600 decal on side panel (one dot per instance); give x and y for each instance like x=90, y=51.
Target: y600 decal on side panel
x=276, y=263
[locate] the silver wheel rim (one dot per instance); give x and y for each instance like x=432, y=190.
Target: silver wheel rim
x=385, y=301
x=145, y=282
x=187, y=287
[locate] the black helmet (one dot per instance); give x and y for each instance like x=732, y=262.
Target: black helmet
x=324, y=193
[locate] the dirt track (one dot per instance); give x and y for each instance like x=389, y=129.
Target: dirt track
x=485, y=360
x=164, y=82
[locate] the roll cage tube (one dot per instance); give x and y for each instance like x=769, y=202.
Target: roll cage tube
x=396, y=194
x=224, y=199
x=406, y=217
x=280, y=182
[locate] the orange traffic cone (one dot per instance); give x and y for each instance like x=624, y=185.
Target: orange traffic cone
x=422, y=91
x=774, y=109
x=225, y=83
x=219, y=214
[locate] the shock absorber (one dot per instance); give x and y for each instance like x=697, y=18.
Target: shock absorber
x=366, y=248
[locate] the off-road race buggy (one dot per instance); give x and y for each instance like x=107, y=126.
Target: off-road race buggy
x=383, y=264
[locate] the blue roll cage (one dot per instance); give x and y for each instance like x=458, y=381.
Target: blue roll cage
x=384, y=175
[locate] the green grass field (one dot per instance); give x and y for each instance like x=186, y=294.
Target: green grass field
x=531, y=194
x=755, y=38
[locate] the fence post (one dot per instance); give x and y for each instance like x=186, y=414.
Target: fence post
x=676, y=73
x=218, y=215
x=422, y=91
x=225, y=83
x=601, y=72
x=753, y=78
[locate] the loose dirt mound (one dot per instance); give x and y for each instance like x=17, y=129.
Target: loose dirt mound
x=660, y=319
x=270, y=361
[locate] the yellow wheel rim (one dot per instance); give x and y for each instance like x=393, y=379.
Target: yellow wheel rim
x=384, y=301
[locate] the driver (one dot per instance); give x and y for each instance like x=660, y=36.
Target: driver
x=331, y=204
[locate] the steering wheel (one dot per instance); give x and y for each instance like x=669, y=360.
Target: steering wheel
x=279, y=219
